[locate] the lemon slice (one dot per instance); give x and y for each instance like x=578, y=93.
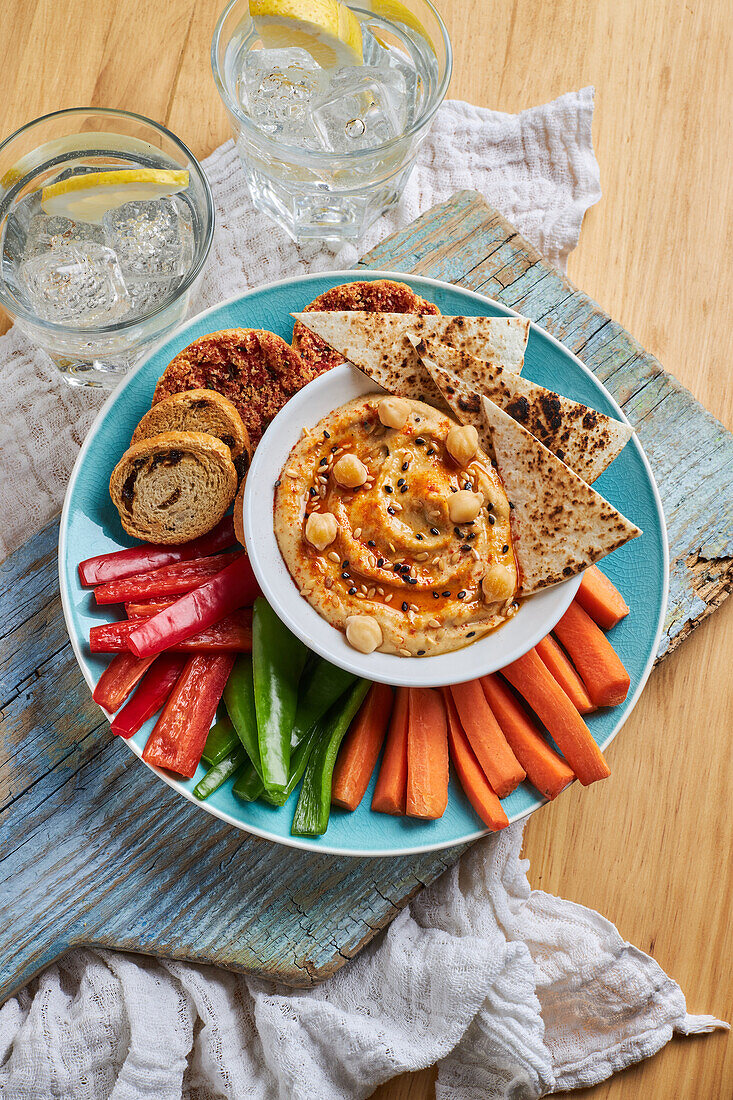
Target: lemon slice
x=394, y=11
x=88, y=197
x=327, y=29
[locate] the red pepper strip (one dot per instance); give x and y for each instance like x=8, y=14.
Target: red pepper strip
x=171, y=580
x=180, y=733
x=143, y=609
x=141, y=559
x=234, y=587
x=118, y=679
x=151, y=695
x=233, y=632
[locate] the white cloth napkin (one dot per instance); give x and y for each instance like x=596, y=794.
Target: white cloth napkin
x=514, y=993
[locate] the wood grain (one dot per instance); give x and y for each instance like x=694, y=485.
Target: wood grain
x=656, y=253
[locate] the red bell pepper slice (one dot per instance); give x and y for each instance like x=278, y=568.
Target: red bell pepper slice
x=118, y=679
x=180, y=733
x=234, y=587
x=232, y=633
x=143, y=609
x=151, y=695
x=171, y=580
x=140, y=559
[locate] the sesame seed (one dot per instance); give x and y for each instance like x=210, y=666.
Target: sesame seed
x=346, y=576
x=360, y=596
x=430, y=450
x=328, y=582
x=380, y=591
x=436, y=595
x=457, y=532
x=470, y=633
x=323, y=461
x=446, y=594
x=333, y=556
x=434, y=623
x=492, y=520
x=326, y=435
x=389, y=544
x=313, y=492
x=461, y=594
x=371, y=592
x=412, y=580
x=397, y=507
x=404, y=488
x=419, y=441
x=400, y=481
x=422, y=557
x=380, y=563
x=471, y=535
x=505, y=549
x=388, y=488
x=345, y=563
x=434, y=531
x=357, y=533
x=405, y=466
x=334, y=450
x=405, y=653
x=414, y=607
x=371, y=542
x=352, y=591
x=388, y=598
x=405, y=605
x=418, y=536
x=421, y=652
x=391, y=511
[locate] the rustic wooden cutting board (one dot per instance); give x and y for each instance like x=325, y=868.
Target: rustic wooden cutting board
x=96, y=851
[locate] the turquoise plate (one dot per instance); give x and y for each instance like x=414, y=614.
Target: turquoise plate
x=90, y=525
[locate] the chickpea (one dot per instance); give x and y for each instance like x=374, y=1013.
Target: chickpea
x=321, y=529
x=462, y=443
x=350, y=472
x=363, y=632
x=394, y=411
x=464, y=506
x=497, y=584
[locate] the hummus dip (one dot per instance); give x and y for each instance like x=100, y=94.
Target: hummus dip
x=395, y=527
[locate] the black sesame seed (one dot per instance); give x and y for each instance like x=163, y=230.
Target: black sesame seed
x=391, y=511
x=492, y=520
x=380, y=563
x=352, y=591
x=421, y=652
x=457, y=532
x=511, y=506
x=490, y=506
x=396, y=568
x=419, y=441
x=412, y=580
x=470, y=535
x=388, y=488
x=333, y=450
x=505, y=549
x=453, y=489
x=313, y=492
x=405, y=466
x=461, y=594
x=326, y=435
x=346, y=576
x=470, y=633
x=465, y=549
x=404, y=488
x=400, y=481
x=277, y=483
x=418, y=536
x=345, y=563
x=468, y=485
x=371, y=542
x=323, y=461
x=436, y=595
x=446, y=595
x=405, y=568
x=430, y=451
x=405, y=605
x=434, y=531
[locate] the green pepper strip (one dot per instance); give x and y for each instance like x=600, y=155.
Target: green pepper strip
x=239, y=698
x=217, y=775
x=298, y=762
x=249, y=785
x=222, y=739
x=314, y=803
x=325, y=684
x=278, y=658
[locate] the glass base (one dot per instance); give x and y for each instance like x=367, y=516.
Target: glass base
x=93, y=373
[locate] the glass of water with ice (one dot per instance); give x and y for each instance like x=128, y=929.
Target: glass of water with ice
x=328, y=119
x=106, y=219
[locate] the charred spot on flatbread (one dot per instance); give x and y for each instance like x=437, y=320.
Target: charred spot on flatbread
x=382, y=296
x=257, y=370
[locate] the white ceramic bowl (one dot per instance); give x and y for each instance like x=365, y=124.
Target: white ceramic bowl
x=535, y=618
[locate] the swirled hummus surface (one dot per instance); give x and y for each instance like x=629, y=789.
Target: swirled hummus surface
x=389, y=549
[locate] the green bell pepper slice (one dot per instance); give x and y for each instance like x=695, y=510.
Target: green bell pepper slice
x=226, y=767
x=239, y=699
x=278, y=658
x=314, y=803
x=222, y=739
x=249, y=785
x=323, y=683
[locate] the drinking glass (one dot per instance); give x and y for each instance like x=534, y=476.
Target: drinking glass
x=326, y=151
x=97, y=293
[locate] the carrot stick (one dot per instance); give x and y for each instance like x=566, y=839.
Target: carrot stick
x=547, y=771
x=501, y=767
x=427, y=754
x=361, y=747
x=594, y=657
x=538, y=686
x=390, y=790
x=475, y=784
x=601, y=599
x=561, y=668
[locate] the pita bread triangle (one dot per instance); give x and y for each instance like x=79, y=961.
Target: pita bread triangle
x=585, y=440
x=560, y=525
x=378, y=344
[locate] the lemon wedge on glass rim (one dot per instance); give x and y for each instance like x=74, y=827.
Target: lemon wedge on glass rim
x=327, y=29
x=88, y=197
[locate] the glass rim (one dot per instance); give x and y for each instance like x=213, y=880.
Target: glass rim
x=322, y=156
x=17, y=310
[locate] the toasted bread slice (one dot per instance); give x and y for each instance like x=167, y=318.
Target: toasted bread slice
x=198, y=411
x=239, y=512
x=173, y=487
x=256, y=370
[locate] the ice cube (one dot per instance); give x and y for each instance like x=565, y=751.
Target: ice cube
x=360, y=109
x=50, y=233
x=277, y=88
x=77, y=284
x=153, y=240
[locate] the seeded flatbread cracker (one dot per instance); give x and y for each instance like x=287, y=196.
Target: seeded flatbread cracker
x=380, y=296
x=585, y=440
x=560, y=525
x=378, y=344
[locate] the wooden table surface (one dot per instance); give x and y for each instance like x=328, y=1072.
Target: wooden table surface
x=651, y=848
